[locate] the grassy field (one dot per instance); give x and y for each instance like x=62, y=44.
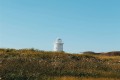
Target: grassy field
x=32, y=64
x=78, y=78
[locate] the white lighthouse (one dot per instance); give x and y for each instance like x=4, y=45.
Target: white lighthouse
x=58, y=45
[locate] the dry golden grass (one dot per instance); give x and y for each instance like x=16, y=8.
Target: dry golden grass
x=108, y=57
x=78, y=78
x=31, y=64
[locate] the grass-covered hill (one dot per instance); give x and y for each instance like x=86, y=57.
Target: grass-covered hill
x=32, y=64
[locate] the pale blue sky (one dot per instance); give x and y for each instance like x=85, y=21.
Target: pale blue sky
x=84, y=25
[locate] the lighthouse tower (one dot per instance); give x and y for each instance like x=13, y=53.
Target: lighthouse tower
x=58, y=45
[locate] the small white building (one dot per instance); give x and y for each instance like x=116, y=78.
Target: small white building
x=58, y=45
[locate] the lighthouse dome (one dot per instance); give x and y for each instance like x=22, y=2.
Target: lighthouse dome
x=58, y=40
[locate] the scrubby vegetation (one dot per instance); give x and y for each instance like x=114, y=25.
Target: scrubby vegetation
x=33, y=64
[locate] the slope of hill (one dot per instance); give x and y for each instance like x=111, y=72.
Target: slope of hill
x=31, y=64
